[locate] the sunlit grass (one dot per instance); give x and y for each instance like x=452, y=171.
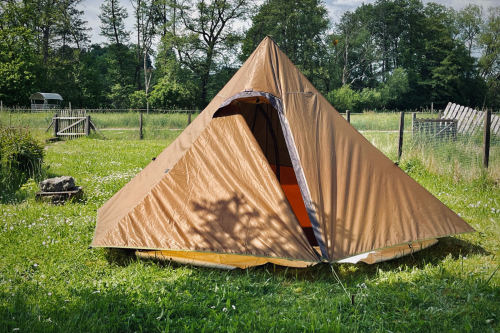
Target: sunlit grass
x=51, y=281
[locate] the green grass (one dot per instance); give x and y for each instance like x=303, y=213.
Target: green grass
x=51, y=281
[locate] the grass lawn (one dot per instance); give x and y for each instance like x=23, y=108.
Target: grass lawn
x=51, y=281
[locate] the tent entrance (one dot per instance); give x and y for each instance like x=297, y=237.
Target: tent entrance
x=264, y=123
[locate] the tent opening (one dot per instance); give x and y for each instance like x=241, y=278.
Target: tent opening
x=263, y=120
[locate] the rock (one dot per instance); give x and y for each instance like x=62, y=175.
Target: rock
x=58, y=184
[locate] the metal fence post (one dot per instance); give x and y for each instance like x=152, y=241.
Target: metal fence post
x=401, y=131
x=189, y=117
x=348, y=116
x=486, y=138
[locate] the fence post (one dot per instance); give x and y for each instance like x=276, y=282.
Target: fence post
x=432, y=107
x=56, y=124
x=348, y=116
x=87, y=125
x=189, y=117
x=140, y=126
x=486, y=138
x=1, y=106
x=401, y=131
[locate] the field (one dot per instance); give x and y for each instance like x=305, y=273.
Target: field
x=51, y=281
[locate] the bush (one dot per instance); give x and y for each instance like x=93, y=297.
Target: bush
x=344, y=98
x=138, y=99
x=171, y=94
x=21, y=157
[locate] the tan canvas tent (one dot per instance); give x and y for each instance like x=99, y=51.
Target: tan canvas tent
x=271, y=172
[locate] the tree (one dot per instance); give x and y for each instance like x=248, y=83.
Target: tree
x=489, y=63
x=112, y=18
x=205, y=33
x=469, y=25
x=146, y=31
x=298, y=27
x=18, y=65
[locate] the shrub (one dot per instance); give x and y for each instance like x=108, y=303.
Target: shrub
x=344, y=98
x=138, y=99
x=21, y=157
x=171, y=94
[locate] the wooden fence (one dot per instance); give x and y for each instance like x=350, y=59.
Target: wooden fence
x=470, y=121
x=71, y=124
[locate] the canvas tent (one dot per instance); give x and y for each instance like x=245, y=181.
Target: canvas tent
x=271, y=172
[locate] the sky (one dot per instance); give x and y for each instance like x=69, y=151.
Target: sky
x=335, y=8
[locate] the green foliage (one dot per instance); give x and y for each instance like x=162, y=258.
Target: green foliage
x=137, y=99
x=394, y=89
x=21, y=157
x=113, y=18
x=119, y=96
x=344, y=99
x=18, y=59
x=489, y=62
x=168, y=93
x=299, y=29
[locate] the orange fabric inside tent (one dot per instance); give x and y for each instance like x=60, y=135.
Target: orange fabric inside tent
x=290, y=187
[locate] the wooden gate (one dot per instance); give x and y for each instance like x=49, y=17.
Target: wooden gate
x=71, y=124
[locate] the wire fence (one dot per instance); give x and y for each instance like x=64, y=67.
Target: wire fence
x=438, y=145
x=110, y=123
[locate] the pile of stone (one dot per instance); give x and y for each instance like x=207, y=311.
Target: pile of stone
x=59, y=189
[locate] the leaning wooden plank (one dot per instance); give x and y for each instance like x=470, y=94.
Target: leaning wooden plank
x=458, y=114
x=451, y=111
x=478, y=122
x=464, y=118
x=454, y=113
x=470, y=120
x=495, y=124
x=447, y=110
x=460, y=117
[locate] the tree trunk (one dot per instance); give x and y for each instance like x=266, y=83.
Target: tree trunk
x=205, y=75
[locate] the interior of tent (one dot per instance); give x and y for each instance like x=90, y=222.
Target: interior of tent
x=263, y=120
